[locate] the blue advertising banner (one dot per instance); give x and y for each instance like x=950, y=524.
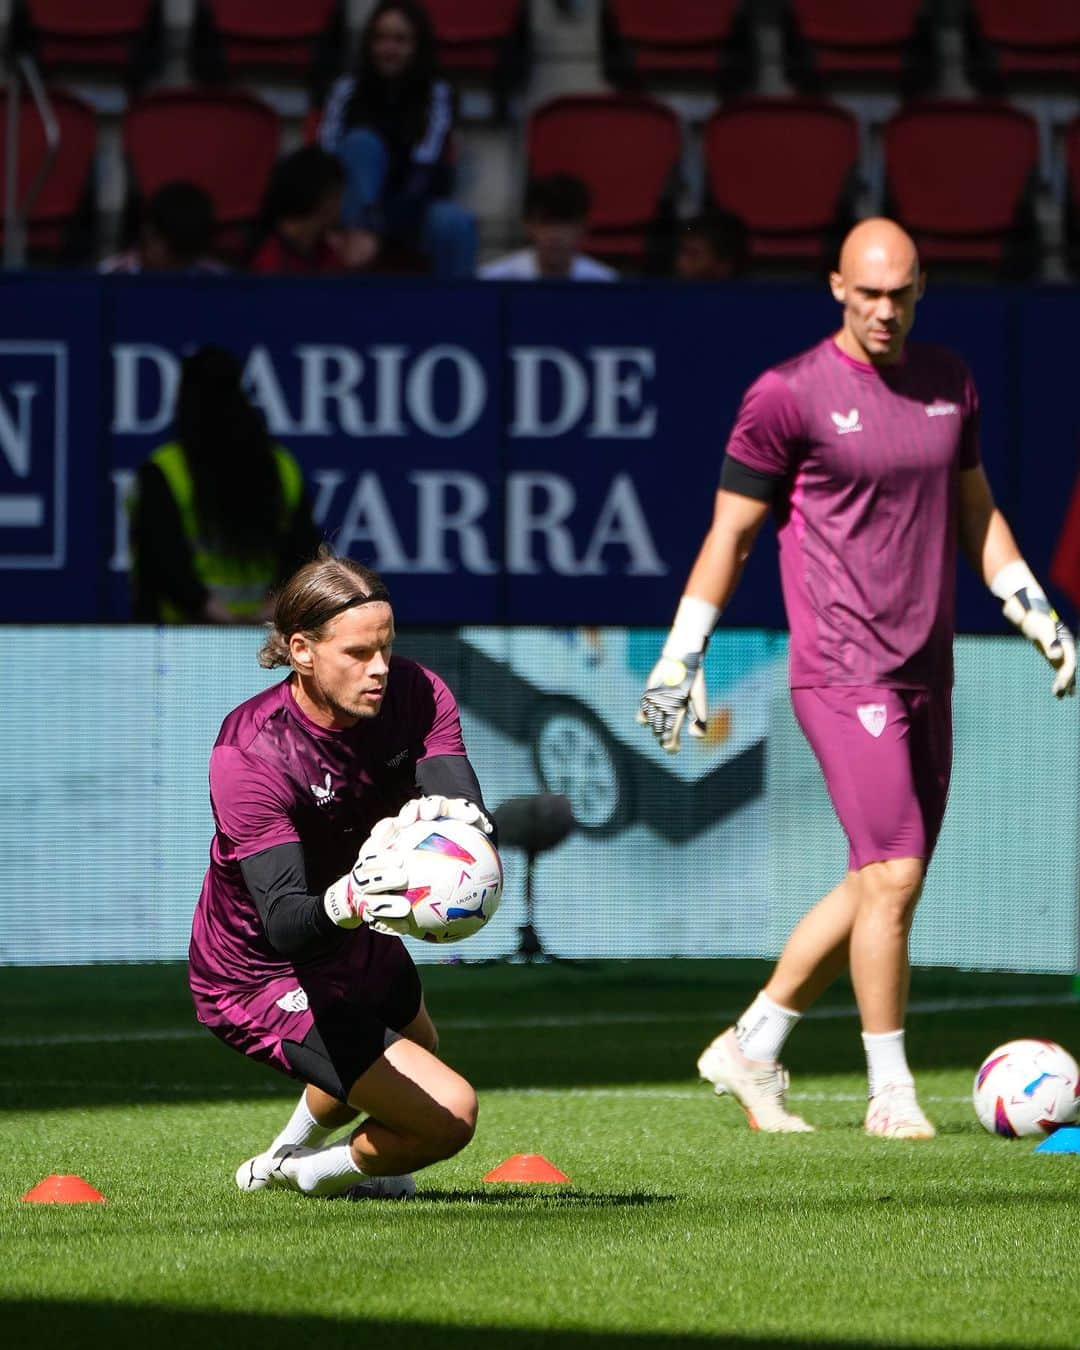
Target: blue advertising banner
x=53, y=499
x=502, y=453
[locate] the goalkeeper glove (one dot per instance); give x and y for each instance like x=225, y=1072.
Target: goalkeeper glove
x=426, y=808
x=1026, y=606
x=675, y=689
x=366, y=894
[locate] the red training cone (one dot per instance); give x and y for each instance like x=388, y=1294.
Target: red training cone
x=58, y=1190
x=526, y=1167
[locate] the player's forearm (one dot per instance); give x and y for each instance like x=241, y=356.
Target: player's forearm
x=718, y=566
x=992, y=547
x=295, y=922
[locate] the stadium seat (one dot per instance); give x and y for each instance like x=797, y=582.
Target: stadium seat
x=59, y=224
x=625, y=149
x=121, y=38
x=483, y=40
x=276, y=37
x=959, y=175
x=226, y=141
x=1033, y=40
x=786, y=167
x=830, y=40
x=695, y=39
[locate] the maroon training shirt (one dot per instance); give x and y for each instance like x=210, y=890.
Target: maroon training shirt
x=277, y=777
x=868, y=512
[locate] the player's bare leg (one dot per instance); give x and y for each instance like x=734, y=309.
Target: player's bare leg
x=419, y=1112
x=744, y=1059
x=881, y=976
x=318, y=1115
x=817, y=950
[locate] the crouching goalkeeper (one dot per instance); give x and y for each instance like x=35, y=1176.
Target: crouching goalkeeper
x=295, y=957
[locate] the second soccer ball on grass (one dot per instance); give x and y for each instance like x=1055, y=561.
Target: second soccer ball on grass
x=1027, y=1088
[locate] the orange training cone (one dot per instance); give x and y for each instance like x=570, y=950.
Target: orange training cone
x=58, y=1190
x=526, y=1167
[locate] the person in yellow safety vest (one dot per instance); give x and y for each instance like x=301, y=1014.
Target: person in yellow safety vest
x=220, y=515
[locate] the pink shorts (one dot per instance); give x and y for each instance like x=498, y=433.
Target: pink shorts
x=886, y=755
x=325, y=1024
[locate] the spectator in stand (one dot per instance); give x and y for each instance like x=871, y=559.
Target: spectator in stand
x=220, y=515
x=176, y=234
x=713, y=247
x=555, y=215
x=301, y=213
x=391, y=124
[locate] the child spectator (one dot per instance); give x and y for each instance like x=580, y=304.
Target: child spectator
x=177, y=234
x=555, y=215
x=390, y=123
x=300, y=218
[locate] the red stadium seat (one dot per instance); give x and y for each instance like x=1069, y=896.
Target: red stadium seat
x=482, y=39
x=60, y=216
x=786, y=168
x=225, y=141
x=958, y=174
x=828, y=40
x=683, y=38
x=278, y=37
x=624, y=148
x=1033, y=39
x=108, y=37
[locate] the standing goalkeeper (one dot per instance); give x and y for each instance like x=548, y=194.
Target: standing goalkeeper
x=866, y=448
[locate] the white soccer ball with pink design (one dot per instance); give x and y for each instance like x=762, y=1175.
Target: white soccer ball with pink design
x=1026, y=1089
x=455, y=879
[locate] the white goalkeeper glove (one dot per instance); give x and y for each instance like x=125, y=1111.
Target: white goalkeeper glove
x=426, y=808
x=367, y=893
x=1026, y=606
x=675, y=689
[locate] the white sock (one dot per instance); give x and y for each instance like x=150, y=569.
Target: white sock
x=328, y=1171
x=302, y=1129
x=886, y=1061
x=764, y=1027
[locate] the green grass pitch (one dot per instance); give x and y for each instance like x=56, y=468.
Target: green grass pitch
x=681, y=1226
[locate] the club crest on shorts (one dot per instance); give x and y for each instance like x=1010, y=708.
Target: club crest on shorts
x=293, y=1000
x=873, y=716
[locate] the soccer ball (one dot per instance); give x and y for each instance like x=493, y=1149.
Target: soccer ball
x=1027, y=1088
x=455, y=879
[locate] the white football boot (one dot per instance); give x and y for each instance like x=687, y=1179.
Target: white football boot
x=757, y=1085
x=264, y=1169
x=894, y=1113
x=276, y=1171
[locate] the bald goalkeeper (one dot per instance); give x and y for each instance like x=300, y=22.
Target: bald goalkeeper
x=866, y=448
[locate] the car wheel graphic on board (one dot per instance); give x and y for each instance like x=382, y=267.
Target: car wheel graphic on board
x=574, y=754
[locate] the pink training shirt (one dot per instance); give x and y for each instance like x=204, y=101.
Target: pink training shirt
x=277, y=777
x=868, y=513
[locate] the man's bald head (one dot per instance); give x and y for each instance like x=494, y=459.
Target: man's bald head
x=879, y=283
x=878, y=242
